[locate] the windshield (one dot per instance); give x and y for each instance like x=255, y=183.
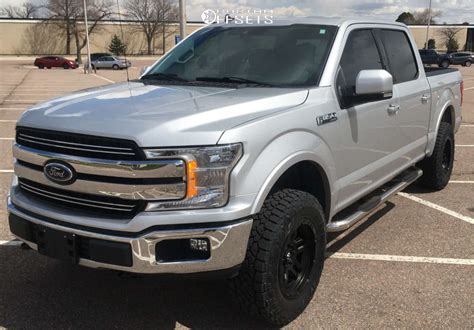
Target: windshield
x=284, y=56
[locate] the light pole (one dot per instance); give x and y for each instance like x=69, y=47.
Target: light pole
x=88, y=69
x=182, y=19
x=428, y=27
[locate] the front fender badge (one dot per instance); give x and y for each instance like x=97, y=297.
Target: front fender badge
x=326, y=118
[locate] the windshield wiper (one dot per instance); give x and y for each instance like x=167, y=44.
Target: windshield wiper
x=234, y=80
x=163, y=76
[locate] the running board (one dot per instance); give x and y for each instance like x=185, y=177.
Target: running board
x=352, y=214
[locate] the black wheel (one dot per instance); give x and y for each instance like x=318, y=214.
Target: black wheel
x=468, y=63
x=65, y=66
x=445, y=64
x=438, y=167
x=285, y=258
x=40, y=66
x=115, y=67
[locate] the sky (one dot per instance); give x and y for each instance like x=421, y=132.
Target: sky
x=453, y=11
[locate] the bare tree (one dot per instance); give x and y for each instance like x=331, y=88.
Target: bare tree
x=422, y=16
x=169, y=12
x=61, y=13
x=26, y=10
x=151, y=15
x=68, y=16
x=97, y=11
x=450, y=38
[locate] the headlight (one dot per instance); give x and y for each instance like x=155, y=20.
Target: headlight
x=207, y=175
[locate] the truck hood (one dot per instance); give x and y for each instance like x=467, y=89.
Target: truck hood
x=156, y=116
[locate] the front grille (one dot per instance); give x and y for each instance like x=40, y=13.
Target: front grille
x=78, y=144
x=93, y=204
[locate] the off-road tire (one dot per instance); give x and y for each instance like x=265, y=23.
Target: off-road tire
x=258, y=288
x=437, y=168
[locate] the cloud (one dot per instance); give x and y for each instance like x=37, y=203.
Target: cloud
x=453, y=11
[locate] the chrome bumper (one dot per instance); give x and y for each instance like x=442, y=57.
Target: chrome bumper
x=228, y=246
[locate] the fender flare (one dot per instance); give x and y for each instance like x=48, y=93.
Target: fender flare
x=447, y=106
x=286, y=164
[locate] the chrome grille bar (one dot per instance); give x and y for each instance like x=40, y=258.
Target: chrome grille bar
x=166, y=168
x=75, y=144
x=71, y=143
x=172, y=191
x=19, y=138
x=77, y=201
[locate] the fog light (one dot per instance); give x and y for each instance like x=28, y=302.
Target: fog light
x=183, y=249
x=199, y=244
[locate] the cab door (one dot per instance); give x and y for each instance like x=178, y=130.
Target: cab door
x=56, y=62
x=414, y=91
x=368, y=130
x=108, y=62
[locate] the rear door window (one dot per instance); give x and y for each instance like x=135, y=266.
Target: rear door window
x=401, y=59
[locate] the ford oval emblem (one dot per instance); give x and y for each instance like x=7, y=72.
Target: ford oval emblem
x=59, y=173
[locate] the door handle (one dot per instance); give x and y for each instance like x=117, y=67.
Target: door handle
x=424, y=98
x=393, y=109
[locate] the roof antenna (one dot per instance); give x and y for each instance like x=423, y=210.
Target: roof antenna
x=121, y=32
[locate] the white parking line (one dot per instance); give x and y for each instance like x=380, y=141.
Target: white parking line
x=386, y=257
x=11, y=243
x=7, y=121
x=465, y=145
x=467, y=89
x=12, y=109
x=103, y=78
x=466, y=125
x=460, y=181
x=438, y=207
x=6, y=171
x=7, y=139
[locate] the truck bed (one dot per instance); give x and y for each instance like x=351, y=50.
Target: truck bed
x=434, y=71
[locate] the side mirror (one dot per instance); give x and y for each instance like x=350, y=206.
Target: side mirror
x=144, y=70
x=376, y=84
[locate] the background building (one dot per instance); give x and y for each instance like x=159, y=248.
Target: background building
x=40, y=37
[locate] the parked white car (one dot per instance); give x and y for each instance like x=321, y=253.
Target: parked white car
x=110, y=62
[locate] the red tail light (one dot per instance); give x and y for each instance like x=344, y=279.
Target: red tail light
x=462, y=91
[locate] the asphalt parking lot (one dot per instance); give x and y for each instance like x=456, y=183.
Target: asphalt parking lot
x=409, y=265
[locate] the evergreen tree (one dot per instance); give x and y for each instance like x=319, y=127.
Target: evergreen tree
x=406, y=17
x=117, y=47
x=431, y=44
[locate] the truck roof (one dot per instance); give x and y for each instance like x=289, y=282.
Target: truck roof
x=320, y=20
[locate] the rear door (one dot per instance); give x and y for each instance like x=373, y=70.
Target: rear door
x=368, y=133
x=414, y=92
x=108, y=61
x=432, y=56
x=57, y=62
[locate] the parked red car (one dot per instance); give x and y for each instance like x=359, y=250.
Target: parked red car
x=55, y=62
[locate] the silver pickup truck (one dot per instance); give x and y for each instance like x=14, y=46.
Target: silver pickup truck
x=236, y=152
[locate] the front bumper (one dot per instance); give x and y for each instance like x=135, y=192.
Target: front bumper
x=228, y=244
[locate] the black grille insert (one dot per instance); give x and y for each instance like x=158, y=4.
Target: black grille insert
x=97, y=205
x=78, y=144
